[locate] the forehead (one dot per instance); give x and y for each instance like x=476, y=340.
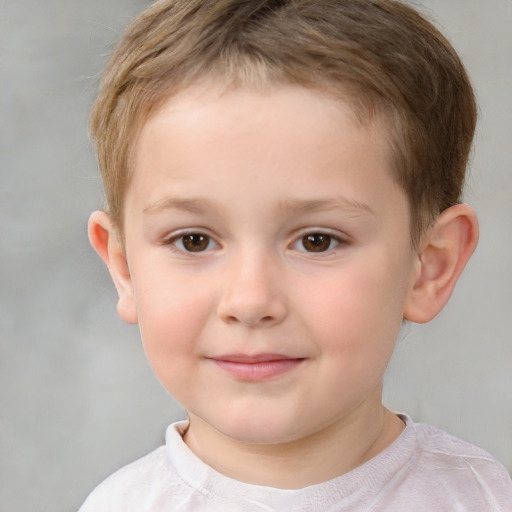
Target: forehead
x=290, y=112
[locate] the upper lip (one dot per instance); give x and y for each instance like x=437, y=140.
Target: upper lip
x=252, y=358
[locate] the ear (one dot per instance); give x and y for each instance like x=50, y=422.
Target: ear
x=445, y=250
x=104, y=237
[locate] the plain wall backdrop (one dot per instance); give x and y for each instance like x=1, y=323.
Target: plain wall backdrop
x=77, y=398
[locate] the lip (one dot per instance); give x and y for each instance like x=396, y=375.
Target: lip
x=257, y=367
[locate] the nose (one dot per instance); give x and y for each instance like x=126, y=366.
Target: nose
x=252, y=293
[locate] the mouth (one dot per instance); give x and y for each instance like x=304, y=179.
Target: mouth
x=256, y=367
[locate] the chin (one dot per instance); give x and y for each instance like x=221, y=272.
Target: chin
x=260, y=432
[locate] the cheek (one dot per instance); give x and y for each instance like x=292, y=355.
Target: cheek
x=358, y=312
x=172, y=314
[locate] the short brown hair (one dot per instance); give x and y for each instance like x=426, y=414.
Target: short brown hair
x=387, y=57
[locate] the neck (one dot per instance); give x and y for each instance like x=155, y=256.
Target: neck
x=332, y=452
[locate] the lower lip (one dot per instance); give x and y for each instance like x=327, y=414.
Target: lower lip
x=259, y=371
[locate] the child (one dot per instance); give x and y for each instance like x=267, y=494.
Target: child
x=283, y=182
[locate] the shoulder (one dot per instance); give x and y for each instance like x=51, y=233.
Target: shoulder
x=461, y=468
x=129, y=488
x=439, y=443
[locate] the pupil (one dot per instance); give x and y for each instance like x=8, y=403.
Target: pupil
x=317, y=242
x=195, y=242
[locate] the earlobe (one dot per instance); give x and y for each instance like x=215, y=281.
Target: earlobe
x=104, y=237
x=445, y=251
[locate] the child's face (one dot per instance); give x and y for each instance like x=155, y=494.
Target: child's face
x=270, y=260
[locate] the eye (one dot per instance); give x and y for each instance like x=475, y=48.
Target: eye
x=317, y=242
x=193, y=242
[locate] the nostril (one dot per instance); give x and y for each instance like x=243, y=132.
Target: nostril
x=253, y=321
x=250, y=320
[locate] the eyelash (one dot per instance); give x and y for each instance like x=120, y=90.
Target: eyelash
x=316, y=238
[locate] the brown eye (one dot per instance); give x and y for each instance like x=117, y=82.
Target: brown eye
x=195, y=242
x=317, y=242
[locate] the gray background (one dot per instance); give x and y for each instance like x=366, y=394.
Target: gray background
x=77, y=399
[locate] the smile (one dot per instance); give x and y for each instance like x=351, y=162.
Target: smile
x=258, y=367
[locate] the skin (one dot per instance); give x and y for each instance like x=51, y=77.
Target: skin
x=267, y=260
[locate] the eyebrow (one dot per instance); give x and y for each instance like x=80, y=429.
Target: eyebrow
x=197, y=206
x=348, y=206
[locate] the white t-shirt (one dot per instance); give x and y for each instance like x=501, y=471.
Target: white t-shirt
x=425, y=469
